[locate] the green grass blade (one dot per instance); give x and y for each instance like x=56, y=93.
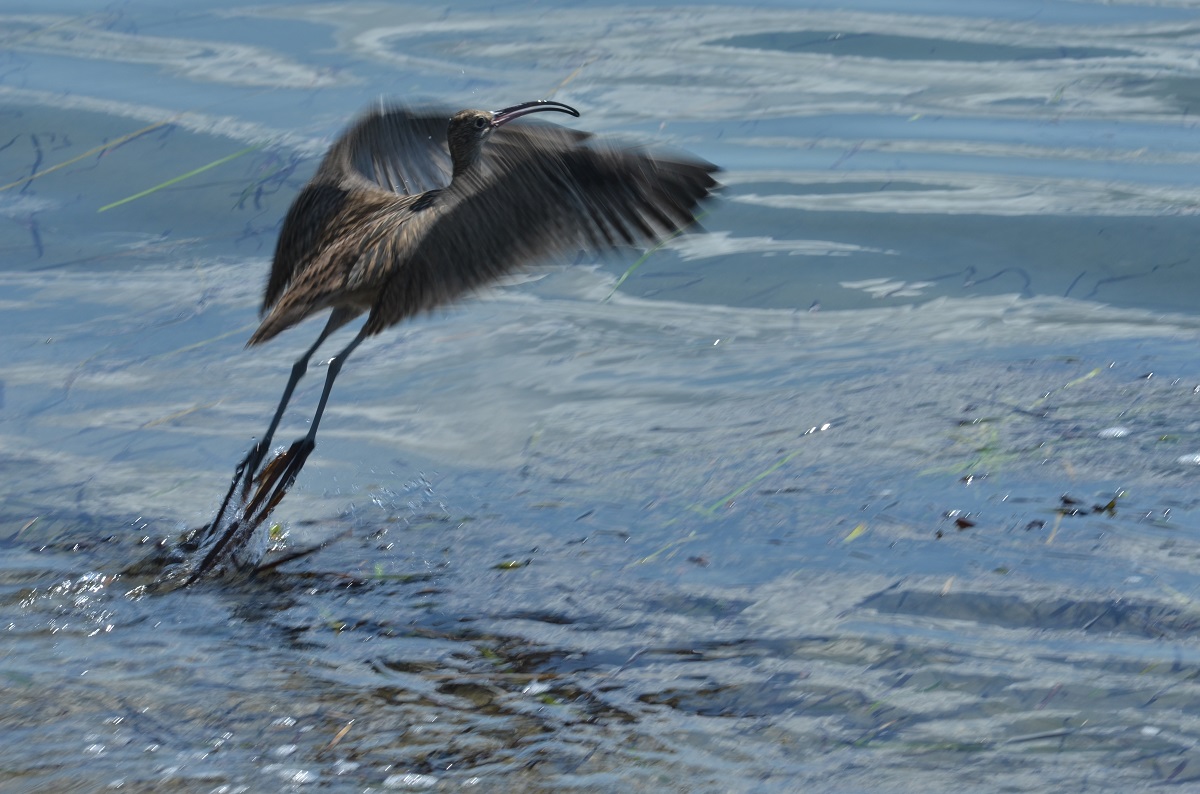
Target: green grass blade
x=642, y=259
x=180, y=178
x=724, y=500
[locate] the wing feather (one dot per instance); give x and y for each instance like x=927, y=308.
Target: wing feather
x=532, y=201
x=396, y=150
x=403, y=149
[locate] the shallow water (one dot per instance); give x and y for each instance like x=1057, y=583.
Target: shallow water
x=884, y=480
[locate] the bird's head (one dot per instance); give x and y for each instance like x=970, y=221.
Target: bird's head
x=470, y=128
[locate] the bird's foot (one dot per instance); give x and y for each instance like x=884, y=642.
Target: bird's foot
x=277, y=478
x=228, y=544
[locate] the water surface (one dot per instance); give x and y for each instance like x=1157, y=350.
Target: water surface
x=882, y=480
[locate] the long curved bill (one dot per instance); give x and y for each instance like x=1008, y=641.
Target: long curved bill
x=525, y=108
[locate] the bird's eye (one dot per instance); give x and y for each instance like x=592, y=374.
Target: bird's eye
x=480, y=122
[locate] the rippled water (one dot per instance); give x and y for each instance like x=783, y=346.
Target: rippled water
x=884, y=480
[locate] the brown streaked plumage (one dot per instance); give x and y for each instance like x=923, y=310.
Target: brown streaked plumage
x=407, y=212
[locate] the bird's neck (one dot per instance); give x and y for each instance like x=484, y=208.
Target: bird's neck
x=465, y=165
x=465, y=160
x=465, y=176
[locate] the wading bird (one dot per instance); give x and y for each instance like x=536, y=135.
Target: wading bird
x=408, y=212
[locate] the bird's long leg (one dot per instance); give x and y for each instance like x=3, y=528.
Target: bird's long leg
x=247, y=468
x=337, y=319
x=281, y=473
x=335, y=366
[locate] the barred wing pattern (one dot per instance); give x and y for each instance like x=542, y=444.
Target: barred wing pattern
x=404, y=150
x=383, y=227
x=535, y=202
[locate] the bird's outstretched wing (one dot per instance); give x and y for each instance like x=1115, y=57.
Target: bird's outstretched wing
x=550, y=194
x=403, y=149
x=389, y=150
x=398, y=149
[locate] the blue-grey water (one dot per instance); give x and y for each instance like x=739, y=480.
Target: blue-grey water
x=883, y=480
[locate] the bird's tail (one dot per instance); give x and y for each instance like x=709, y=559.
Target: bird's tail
x=283, y=316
